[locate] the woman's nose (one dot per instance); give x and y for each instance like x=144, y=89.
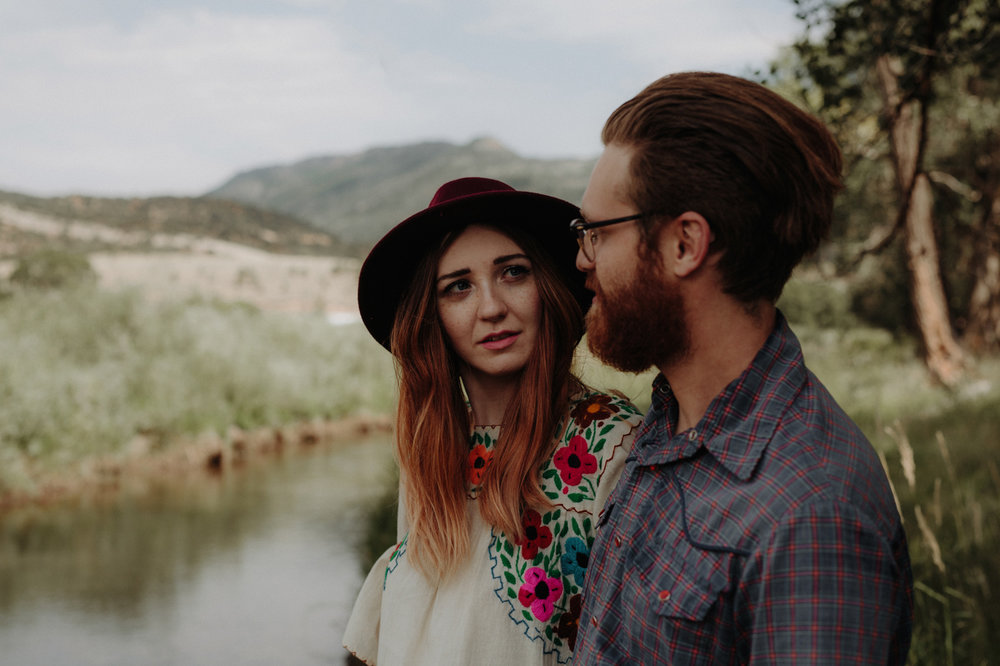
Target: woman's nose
x=492, y=306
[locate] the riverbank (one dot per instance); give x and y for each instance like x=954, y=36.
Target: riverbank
x=144, y=460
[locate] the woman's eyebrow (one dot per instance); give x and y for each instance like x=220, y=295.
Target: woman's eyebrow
x=454, y=274
x=508, y=257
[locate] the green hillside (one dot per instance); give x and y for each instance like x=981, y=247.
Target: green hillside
x=138, y=219
x=359, y=197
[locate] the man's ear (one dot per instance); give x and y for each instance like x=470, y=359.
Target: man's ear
x=684, y=243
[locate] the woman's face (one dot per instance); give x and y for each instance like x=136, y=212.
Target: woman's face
x=488, y=302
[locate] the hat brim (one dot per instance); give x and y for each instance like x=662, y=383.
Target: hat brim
x=390, y=267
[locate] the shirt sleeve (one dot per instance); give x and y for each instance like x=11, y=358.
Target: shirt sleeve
x=824, y=589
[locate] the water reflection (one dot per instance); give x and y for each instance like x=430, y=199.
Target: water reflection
x=252, y=567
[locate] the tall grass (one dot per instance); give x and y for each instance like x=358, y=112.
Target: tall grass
x=83, y=372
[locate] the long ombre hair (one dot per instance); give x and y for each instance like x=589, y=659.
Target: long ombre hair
x=433, y=424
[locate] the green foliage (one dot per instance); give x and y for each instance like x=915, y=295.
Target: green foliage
x=817, y=302
x=948, y=53
x=83, y=372
x=52, y=268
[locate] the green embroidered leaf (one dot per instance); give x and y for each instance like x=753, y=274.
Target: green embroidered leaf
x=505, y=560
x=598, y=447
x=565, y=529
x=576, y=527
x=527, y=616
x=508, y=547
x=606, y=429
x=556, y=513
x=510, y=577
x=551, y=495
x=549, y=473
x=577, y=497
x=546, y=519
x=587, y=524
x=511, y=593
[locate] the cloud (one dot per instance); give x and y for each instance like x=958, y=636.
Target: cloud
x=176, y=96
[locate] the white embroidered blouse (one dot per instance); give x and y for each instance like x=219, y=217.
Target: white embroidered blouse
x=511, y=602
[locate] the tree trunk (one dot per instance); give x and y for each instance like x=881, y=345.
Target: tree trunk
x=983, y=331
x=942, y=354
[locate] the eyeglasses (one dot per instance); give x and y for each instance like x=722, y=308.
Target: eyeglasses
x=588, y=240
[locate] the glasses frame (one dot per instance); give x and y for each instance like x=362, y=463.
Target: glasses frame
x=581, y=227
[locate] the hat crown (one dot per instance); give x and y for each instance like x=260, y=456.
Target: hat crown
x=467, y=187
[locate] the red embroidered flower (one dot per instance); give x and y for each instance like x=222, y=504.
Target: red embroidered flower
x=595, y=408
x=569, y=623
x=540, y=593
x=536, y=536
x=479, y=458
x=573, y=461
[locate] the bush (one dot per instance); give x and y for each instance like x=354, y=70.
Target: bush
x=51, y=269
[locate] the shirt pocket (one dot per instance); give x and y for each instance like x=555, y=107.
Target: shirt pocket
x=680, y=595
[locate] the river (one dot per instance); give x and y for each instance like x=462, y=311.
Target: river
x=254, y=566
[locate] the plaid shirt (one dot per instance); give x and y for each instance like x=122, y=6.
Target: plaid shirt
x=768, y=533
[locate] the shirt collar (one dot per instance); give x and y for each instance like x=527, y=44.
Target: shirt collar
x=739, y=422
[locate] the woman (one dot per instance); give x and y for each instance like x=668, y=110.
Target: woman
x=505, y=457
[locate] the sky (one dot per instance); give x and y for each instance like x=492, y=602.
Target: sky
x=127, y=98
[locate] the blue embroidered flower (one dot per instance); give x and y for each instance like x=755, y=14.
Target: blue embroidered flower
x=575, y=558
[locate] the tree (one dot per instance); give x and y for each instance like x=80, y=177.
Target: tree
x=899, y=61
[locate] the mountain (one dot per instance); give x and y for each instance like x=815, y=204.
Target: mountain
x=359, y=197
x=97, y=223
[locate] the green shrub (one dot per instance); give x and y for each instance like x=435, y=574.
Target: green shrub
x=817, y=302
x=85, y=371
x=51, y=268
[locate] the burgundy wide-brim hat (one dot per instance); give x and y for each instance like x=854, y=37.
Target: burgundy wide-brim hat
x=389, y=269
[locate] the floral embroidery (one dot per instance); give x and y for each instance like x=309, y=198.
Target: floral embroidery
x=596, y=408
x=540, y=593
x=479, y=458
x=574, y=559
x=573, y=461
x=569, y=622
x=541, y=577
x=394, y=558
x=536, y=536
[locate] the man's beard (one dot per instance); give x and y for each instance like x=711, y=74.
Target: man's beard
x=640, y=325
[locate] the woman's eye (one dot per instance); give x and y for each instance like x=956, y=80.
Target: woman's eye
x=516, y=271
x=456, y=287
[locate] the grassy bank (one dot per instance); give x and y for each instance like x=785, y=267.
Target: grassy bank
x=86, y=373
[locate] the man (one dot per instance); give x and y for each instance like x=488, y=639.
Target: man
x=754, y=522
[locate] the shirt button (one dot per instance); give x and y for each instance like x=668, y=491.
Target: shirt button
x=664, y=595
x=618, y=542
x=593, y=621
x=692, y=435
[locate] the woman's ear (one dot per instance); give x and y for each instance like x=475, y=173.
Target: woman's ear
x=684, y=243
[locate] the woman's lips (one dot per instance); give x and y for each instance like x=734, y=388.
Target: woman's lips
x=499, y=340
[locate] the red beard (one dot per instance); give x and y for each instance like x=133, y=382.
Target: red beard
x=641, y=325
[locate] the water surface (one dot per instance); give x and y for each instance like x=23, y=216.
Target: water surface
x=255, y=566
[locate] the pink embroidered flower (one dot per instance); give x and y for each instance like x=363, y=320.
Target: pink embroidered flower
x=536, y=536
x=479, y=459
x=573, y=461
x=540, y=593
x=596, y=408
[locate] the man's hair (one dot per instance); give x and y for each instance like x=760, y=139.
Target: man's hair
x=432, y=418
x=763, y=172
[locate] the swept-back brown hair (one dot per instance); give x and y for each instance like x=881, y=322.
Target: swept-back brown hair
x=432, y=418
x=762, y=172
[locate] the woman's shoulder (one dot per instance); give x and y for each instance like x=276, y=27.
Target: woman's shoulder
x=607, y=408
